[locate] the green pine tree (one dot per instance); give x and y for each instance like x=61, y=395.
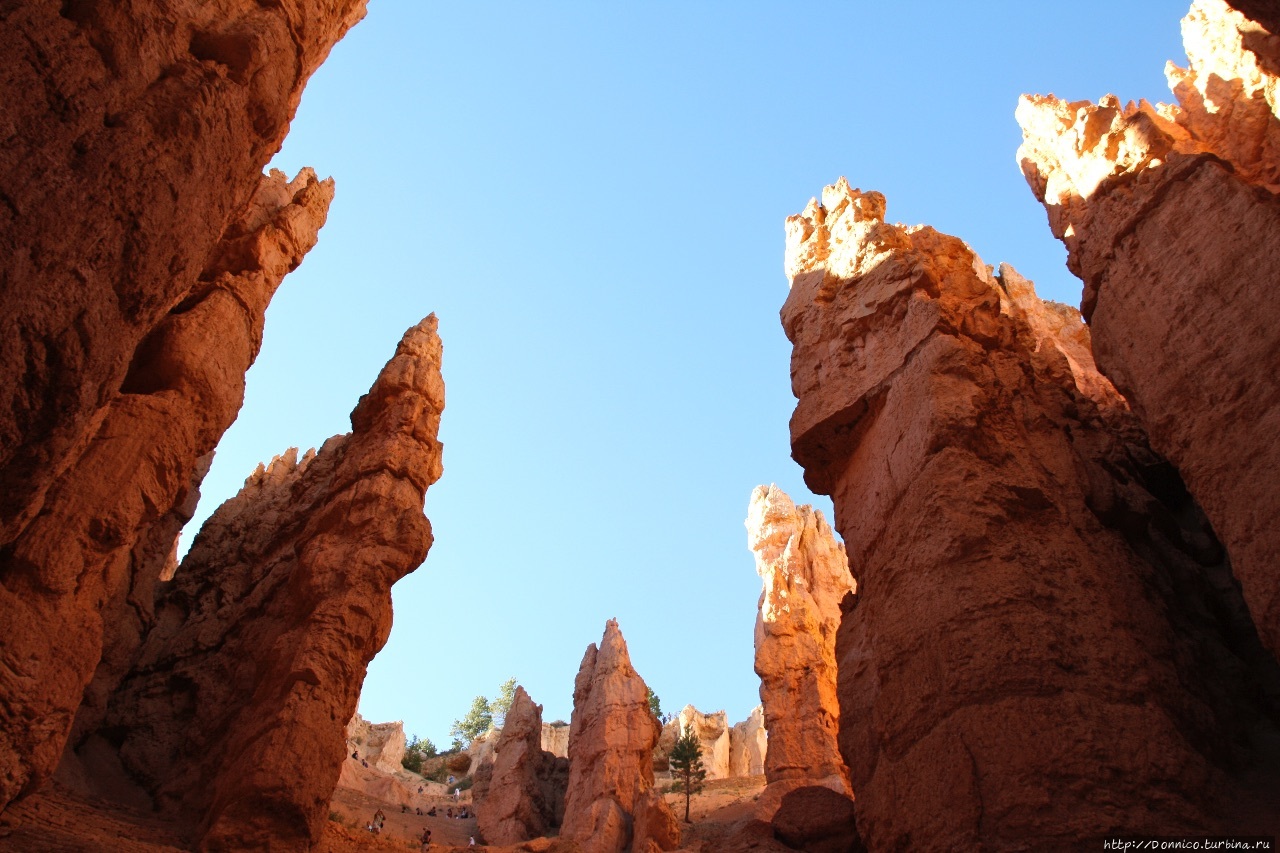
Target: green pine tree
x=686, y=763
x=499, y=707
x=477, y=721
x=655, y=705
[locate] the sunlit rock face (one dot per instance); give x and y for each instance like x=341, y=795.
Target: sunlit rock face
x=1170, y=216
x=1043, y=645
x=381, y=745
x=805, y=575
x=611, y=743
x=233, y=714
x=79, y=578
x=712, y=732
x=748, y=745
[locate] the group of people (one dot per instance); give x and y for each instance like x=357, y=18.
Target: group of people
x=380, y=817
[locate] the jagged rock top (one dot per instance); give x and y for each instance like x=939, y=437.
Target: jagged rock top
x=1227, y=109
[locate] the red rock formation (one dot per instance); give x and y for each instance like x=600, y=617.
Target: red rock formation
x=1037, y=652
x=514, y=809
x=81, y=573
x=1169, y=215
x=234, y=713
x=611, y=741
x=806, y=576
x=134, y=136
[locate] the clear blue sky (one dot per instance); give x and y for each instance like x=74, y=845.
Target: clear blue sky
x=591, y=197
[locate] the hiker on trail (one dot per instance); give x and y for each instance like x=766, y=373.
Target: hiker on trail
x=426, y=837
x=472, y=842
x=457, y=792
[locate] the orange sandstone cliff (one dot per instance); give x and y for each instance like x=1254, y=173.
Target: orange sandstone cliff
x=1043, y=646
x=139, y=244
x=1170, y=216
x=234, y=713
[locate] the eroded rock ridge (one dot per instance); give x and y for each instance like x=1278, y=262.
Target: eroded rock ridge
x=260, y=643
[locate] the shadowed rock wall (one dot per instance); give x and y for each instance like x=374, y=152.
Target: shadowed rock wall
x=1043, y=646
x=134, y=137
x=1170, y=216
x=235, y=711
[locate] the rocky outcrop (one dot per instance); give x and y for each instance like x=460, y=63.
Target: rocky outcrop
x=748, y=745
x=514, y=809
x=712, y=732
x=134, y=137
x=79, y=577
x=611, y=741
x=667, y=737
x=1043, y=645
x=806, y=575
x=134, y=142
x=381, y=745
x=233, y=714
x=1169, y=215
x=555, y=739
x=817, y=819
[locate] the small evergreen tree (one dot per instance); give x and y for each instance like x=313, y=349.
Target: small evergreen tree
x=655, y=706
x=686, y=763
x=477, y=721
x=499, y=707
x=415, y=752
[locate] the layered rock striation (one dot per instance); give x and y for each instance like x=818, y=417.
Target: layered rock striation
x=805, y=576
x=611, y=804
x=79, y=578
x=234, y=712
x=1042, y=646
x=1169, y=215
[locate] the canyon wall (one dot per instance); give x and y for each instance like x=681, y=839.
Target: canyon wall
x=1169, y=215
x=805, y=575
x=234, y=711
x=79, y=578
x=1043, y=645
x=611, y=804
x=133, y=211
